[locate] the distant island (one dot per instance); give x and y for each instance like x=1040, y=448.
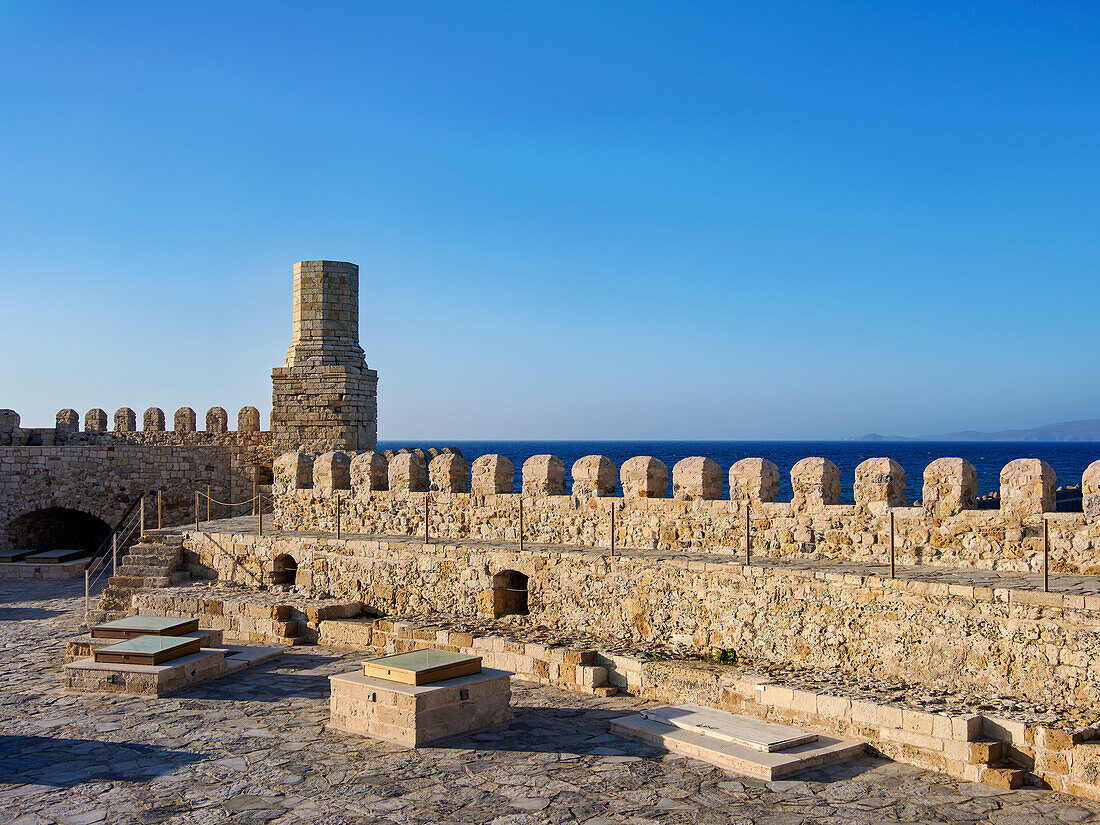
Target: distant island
x=1064, y=431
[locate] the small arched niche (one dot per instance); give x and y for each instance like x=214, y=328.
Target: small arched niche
x=509, y=593
x=285, y=570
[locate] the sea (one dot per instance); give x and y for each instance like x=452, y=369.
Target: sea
x=1069, y=459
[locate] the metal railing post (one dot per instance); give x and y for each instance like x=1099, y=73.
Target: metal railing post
x=338, y=517
x=208, y=502
x=142, y=533
x=521, y=521
x=1046, y=554
x=612, y=527
x=160, y=511
x=427, y=495
x=87, y=608
x=748, y=535
x=196, y=511
x=891, y=544
x=114, y=554
x=260, y=513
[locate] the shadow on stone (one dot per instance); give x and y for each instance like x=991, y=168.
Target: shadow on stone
x=43, y=760
x=303, y=675
x=27, y=614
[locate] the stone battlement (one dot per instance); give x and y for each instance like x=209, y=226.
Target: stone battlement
x=386, y=496
x=95, y=432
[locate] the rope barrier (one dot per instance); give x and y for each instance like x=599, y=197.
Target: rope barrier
x=227, y=503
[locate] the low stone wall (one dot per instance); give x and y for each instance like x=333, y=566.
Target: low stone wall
x=273, y=618
x=368, y=493
x=1035, y=645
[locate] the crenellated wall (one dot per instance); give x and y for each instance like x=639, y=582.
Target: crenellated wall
x=385, y=496
x=98, y=471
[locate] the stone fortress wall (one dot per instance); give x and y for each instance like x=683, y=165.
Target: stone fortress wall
x=386, y=496
x=99, y=471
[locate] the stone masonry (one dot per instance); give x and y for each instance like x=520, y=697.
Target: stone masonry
x=324, y=397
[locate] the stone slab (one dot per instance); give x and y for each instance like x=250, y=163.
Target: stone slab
x=82, y=647
x=736, y=758
x=36, y=570
x=414, y=715
x=87, y=675
x=745, y=731
x=146, y=650
x=56, y=556
x=422, y=667
x=130, y=626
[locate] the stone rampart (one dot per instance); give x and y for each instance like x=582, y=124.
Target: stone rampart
x=387, y=498
x=1035, y=645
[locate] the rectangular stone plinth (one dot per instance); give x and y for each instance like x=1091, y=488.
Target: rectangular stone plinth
x=87, y=675
x=82, y=647
x=415, y=715
x=36, y=570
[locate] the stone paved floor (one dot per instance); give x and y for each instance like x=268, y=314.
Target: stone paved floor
x=252, y=748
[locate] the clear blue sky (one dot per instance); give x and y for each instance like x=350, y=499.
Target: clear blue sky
x=573, y=220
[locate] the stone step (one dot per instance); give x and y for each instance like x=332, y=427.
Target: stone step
x=125, y=581
x=150, y=558
x=1005, y=777
x=736, y=758
x=145, y=570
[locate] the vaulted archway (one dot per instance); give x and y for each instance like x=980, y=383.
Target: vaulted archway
x=58, y=528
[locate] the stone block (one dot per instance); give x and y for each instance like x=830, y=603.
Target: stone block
x=408, y=473
x=369, y=472
x=543, y=475
x=449, y=473
x=492, y=474
x=248, y=420
x=217, y=420
x=816, y=484
x=594, y=475
x=331, y=471
x=153, y=420
x=644, y=477
x=753, y=480
x=1027, y=488
x=696, y=477
x=880, y=480
x=184, y=420
x=950, y=486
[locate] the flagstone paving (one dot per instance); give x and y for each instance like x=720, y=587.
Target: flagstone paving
x=252, y=748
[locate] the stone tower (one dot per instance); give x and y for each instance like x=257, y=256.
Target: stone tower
x=324, y=397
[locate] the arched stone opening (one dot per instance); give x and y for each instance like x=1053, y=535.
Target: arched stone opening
x=285, y=570
x=58, y=528
x=509, y=593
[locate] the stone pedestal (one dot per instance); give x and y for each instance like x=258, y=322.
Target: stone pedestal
x=415, y=715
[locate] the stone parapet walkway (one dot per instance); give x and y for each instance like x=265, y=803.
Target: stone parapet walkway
x=1060, y=583
x=253, y=748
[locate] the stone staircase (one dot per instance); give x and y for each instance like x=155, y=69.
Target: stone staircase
x=152, y=563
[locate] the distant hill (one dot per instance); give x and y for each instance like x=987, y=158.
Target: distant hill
x=1064, y=431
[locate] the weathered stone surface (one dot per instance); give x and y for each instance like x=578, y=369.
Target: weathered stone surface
x=754, y=479
x=153, y=420
x=1027, y=488
x=1090, y=491
x=644, y=477
x=184, y=420
x=68, y=421
x=293, y=471
x=449, y=473
x=95, y=421
x=544, y=475
x=408, y=473
x=370, y=472
x=331, y=471
x=594, y=475
x=125, y=420
x=696, y=477
x=493, y=474
x=248, y=420
x=950, y=486
x=816, y=484
x=880, y=481
x=217, y=420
